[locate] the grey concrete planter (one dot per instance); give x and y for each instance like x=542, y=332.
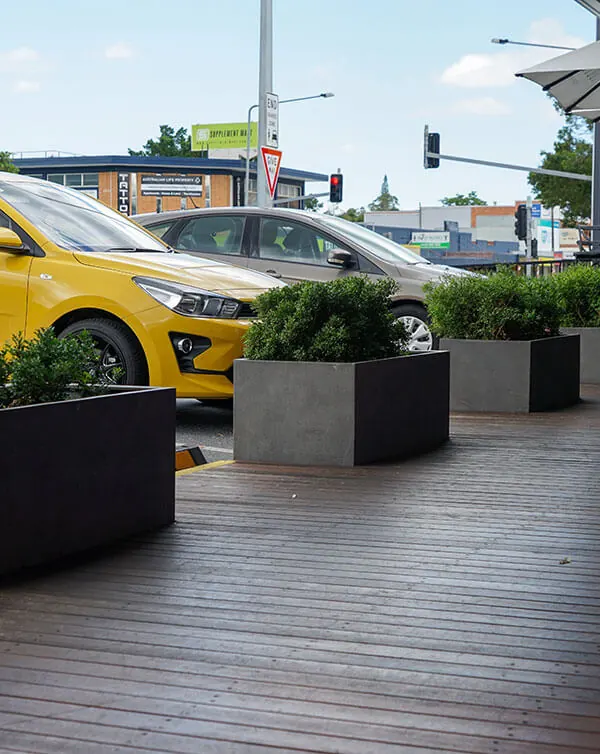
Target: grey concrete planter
x=318, y=414
x=84, y=473
x=590, y=352
x=513, y=376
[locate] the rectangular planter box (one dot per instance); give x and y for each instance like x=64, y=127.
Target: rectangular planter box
x=513, y=376
x=322, y=414
x=84, y=473
x=590, y=352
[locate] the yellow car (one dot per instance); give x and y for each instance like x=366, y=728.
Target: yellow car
x=157, y=317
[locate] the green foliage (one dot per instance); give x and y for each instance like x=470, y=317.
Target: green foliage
x=578, y=290
x=385, y=202
x=572, y=153
x=346, y=320
x=502, y=306
x=45, y=368
x=354, y=215
x=170, y=143
x=312, y=204
x=463, y=200
x=6, y=163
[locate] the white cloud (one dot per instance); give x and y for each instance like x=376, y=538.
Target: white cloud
x=481, y=106
x=118, y=52
x=18, y=58
x=498, y=69
x=26, y=87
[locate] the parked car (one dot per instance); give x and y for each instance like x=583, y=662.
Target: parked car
x=157, y=317
x=295, y=245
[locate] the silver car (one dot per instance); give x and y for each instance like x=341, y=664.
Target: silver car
x=295, y=245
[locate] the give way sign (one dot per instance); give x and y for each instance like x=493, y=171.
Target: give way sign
x=272, y=162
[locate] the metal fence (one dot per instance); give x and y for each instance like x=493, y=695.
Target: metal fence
x=529, y=267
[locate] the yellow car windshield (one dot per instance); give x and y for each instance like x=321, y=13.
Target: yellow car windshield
x=73, y=220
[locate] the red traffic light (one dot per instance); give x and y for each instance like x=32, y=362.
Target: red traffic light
x=336, y=185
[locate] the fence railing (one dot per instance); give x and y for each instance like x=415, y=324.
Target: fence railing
x=529, y=267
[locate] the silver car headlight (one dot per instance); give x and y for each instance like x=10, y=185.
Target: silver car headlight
x=187, y=300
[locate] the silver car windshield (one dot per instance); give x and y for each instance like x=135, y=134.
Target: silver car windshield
x=73, y=220
x=379, y=245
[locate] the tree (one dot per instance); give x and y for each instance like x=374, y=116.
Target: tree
x=170, y=143
x=572, y=153
x=313, y=204
x=354, y=215
x=463, y=200
x=6, y=163
x=385, y=202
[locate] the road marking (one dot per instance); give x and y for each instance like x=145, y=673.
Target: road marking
x=210, y=448
x=213, y=465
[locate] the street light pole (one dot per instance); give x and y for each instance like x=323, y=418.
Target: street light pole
x=497, y=41
x=326, y=95
x=265, y=86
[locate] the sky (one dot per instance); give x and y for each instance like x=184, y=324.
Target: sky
x=97, y=78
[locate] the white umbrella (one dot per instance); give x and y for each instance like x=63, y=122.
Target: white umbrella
x=573, y=79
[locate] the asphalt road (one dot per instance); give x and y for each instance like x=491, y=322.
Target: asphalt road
x=209, y=428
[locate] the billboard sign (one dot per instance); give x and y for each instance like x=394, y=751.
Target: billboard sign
x=223, y=136
x=431, y=240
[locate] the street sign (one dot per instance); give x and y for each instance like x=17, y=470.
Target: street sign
x=536, y=209
x=272, y=137
x=171, y=185
x=272, y=162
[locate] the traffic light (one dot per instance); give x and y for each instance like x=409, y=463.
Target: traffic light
x=521, y=222
x=336, y=185
x=432, y=145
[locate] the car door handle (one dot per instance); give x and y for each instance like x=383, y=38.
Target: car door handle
x=274, y=273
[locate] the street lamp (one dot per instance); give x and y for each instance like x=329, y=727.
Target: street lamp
x=497, y=41
x=326, y=95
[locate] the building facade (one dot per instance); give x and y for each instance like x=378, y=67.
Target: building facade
x=135, y=185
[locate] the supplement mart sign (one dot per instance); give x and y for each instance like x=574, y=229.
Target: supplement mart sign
x=223, y=136
x=431, y=240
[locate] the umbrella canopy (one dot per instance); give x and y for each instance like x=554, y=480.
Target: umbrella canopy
x=573, y=79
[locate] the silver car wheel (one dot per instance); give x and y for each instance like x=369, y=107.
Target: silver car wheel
x=419, y=334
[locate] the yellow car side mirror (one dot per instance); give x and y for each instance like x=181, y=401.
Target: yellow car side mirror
x=10, y=241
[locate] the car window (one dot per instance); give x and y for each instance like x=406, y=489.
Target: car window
x=219, y=234
x=160, y=228
x=288, y=241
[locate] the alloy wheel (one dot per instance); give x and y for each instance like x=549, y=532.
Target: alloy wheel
x=110, y=366
x=420, y=337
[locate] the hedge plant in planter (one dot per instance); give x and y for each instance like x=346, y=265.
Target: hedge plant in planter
x=503, y=335
x=326, y=379
x=578, y=291
x=81, y=465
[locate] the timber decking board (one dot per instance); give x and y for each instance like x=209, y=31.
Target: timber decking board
x=423, y=607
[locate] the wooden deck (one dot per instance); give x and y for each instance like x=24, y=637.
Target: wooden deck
x=446, y=604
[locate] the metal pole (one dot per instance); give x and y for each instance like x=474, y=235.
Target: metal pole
x=596, y=162
x=508, y=166
x=265, y=85
x=247, y=177
x=528, y=227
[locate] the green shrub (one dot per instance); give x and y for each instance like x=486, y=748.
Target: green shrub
x=578, y=290
x=346, y=320
x=502, y=306
x=45, y=368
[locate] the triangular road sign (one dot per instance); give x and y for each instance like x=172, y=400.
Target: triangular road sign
x=272, y=162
